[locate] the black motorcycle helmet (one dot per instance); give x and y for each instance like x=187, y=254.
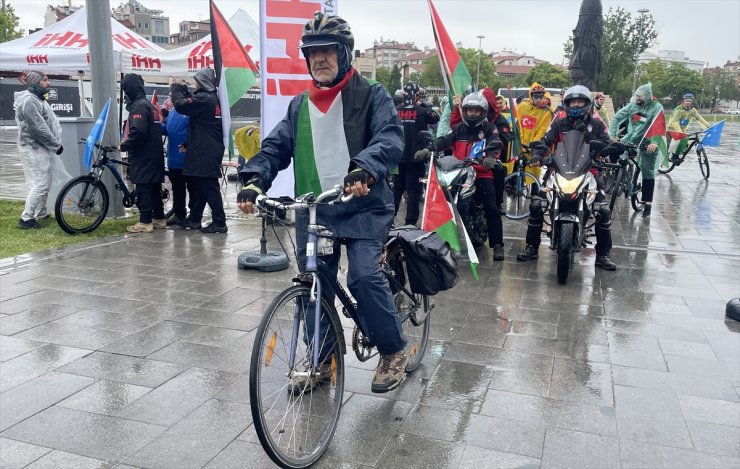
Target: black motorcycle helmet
x=410, y=91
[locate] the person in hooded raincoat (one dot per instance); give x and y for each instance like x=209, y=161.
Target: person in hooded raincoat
x=145, y=154
x=39, y=142
x=535, y=116
x=639, y=114
x=443, y=127
x=204, y=148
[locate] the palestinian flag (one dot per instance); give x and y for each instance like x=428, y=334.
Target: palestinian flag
x=235, y=71
x=438, y=216
x=679, y=142
x=456, y=76
x=656, y=134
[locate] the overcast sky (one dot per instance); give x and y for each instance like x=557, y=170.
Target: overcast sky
x=705, y=30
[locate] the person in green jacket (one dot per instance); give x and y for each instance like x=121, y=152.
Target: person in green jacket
x=641, y=111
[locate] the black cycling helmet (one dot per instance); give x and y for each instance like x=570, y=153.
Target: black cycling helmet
x=474, y=100
x=324, y=30
x=577, y=92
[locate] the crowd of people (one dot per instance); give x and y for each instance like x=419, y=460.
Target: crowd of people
x=345, y=128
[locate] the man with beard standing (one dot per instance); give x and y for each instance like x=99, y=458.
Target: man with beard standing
x=204, y=148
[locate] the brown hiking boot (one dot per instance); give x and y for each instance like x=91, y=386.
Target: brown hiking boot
x=159, y=224
x=140, y=228
x=305, y=381
x=390, y=372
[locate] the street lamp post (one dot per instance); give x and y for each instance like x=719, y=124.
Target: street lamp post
x=642, y=12
x=477, y=75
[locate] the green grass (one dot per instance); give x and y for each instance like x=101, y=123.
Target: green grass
x=16, y=241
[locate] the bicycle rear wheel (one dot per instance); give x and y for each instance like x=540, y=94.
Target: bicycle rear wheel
x=636, y=195
x=701, y=155
x=518, y=194
x=609, y=176
x=81, y=205
x=414, y=319
x=295, y=410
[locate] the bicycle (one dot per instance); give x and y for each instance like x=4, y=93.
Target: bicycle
x=296, y=375
x=701, y=156
x=626, y=177
x=519, y=187
x=83, y=202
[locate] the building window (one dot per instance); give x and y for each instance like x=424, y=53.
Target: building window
x=146, y=25
x=138, y=25
x=159, y=27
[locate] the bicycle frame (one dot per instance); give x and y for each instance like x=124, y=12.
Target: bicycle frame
x=107, y=162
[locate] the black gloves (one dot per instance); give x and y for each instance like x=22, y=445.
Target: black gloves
x=489, y=162
x=60, y=150
x=421, y=155
x=356, y=175
x=180, y=88
x=254, y=187
x=581, y=126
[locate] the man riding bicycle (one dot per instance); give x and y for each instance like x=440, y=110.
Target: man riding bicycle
x=342, y=128
x=681, y=118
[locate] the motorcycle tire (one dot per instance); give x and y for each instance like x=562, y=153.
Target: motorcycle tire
x=476, y=223
x=565, y=252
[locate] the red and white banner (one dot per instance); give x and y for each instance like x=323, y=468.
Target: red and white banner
x=62, y=47
x=283, y=71
x=186, y=60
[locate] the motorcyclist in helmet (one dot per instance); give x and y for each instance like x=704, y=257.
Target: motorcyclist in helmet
x=578, y=116
x=471, y=137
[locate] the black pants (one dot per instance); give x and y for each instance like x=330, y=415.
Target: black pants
x=499, y=174
x=181, y=186
x=207, y=191
x=149, y=202
x=408, y=180
x=601, y=212
x=485, y=190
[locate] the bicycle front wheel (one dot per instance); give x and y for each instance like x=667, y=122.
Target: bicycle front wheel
x=518, y=188
x=414, y=312
x=295, y=409
x=636, y=195
x=701, y=154
x=617, y=187
x=81, y=205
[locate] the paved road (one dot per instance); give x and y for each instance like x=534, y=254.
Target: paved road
x=133, y=351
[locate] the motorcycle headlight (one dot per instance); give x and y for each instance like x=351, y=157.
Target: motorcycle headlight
x=568, y=186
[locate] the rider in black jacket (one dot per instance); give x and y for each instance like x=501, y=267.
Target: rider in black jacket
x=205, y=148
x=577, y=106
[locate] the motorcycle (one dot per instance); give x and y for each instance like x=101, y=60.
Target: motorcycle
x=571, y=190
x=457, y=179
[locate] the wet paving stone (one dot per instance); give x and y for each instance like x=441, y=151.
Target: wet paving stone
x=91, y=435
x=151, y=339
x=417, y=451
x=71, y=335
x=18, y=454
x=11, y=347
x=636, y=455
x=490, y=459
x=35, y=363
x=104, y=397
x=61, y=459
x=131, y=370
x=567, y=448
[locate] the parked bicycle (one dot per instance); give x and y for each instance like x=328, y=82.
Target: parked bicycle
x=83, y=202
x=295, y=402
x=695, y=140
x=519, y=186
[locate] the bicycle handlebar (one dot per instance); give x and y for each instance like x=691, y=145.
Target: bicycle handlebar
x=263, y=201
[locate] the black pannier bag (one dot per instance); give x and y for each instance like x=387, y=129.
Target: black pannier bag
x=430, y=264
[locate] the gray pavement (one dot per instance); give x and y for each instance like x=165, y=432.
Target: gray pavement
x=133, y=351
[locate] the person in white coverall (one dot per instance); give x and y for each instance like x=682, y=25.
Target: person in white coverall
x=39, y=142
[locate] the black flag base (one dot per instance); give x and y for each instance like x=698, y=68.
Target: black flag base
x=263, y=260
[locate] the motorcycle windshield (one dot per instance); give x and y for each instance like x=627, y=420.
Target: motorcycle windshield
x=572, y=155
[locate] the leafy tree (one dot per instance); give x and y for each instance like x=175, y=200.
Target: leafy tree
x=383, y=75
x=9, y=28
x=718, y=84
x=624, y=38
x=395, y=78
x=414, y=77
x=670, y=82
x=432, y=74
x=548, y=76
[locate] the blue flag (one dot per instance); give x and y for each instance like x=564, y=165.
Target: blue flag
x=712, y=134
x=477, y=149
x=96, y=134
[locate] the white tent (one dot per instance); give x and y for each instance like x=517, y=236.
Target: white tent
x=185, y=61
x=62, y=47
